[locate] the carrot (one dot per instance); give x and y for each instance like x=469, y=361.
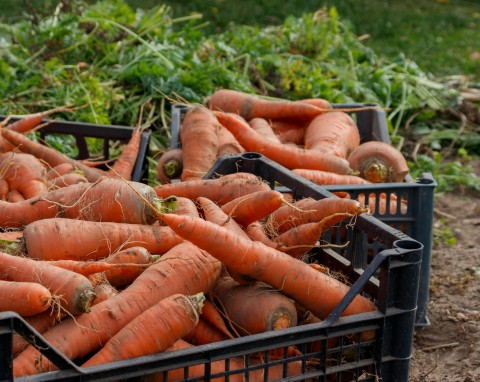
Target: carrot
x=30, y=121
x=185, y=206
x=88, y=268
x=252, y=207
x=66, y=180
x=107, y=199
x=286, y=155
x=72, y=239
x=253, y=259
x=379, y=162
x=227, y=143
x=153, y=331
x=24, y=298
x=383, y=203
x=325, y=178
x=59, y=170
x=250, y=106
x=24, y=173
x=334, y=133
x=198, y=134
x=213, y=213
x=257, y=232
x=170, y=165
x=73, y=291
x=125, y=266
x=205, y=333
x=185, y=269
x=220, y=190
x=15, y=196
x=318, y=102
x=125, y=162
x=311, y=210
x=4, y=188
x=262, y=127
x=198, y=372
x=40, y=322
x=104, y=291
x=253, y=309
x=297, y=241
x=47, y=154
x=211, y=315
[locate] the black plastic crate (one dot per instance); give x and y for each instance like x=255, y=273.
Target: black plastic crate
x=379, y=261
x=110, y=135
x=418, y=194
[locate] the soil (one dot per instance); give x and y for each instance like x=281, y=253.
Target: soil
x=449, y=348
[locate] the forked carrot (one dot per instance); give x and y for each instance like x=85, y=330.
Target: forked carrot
x=195, y=271
x=73, y=291
x=23, y=297
x=311, y=210
x=292, y=276
x=287, y=155
x=297, y=241
x=199, y=137
x=153, y=331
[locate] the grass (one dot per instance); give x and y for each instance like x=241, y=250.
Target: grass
x=440, y=36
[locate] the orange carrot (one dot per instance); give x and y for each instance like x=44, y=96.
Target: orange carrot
x=205, y=333
x=253, y=259
x=104, y=291
x=250, y=106
x=107, y=200
x=382, y=203
x=4, y=188
x=185, y=206
x=211, y=314
x=195, y=271
x=287, y=155
x=297, y=241
x=66, y=180
x=74, y=291
x=379, y=162
x=24, y=173
x=59, y=170
x=252, y=207
x=198, y=134
x=24, y=298
x=153, y=331
x=198, y=372
x=30, y=121
x=15, y=196
x=257, y=231
x=40, y=322
x=262, y=127
x=334, y=133
x=318, y=102
x=220, y=190
x=289, y=131
x=253, y=309
x=325, y=178
x=47, y=154
x=72, y=239
x=311, y=210
x=170, y=165
x=124, y=164
x=125, y=266
x=227, y=143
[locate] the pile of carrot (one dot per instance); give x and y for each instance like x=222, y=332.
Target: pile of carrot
x=114, y=269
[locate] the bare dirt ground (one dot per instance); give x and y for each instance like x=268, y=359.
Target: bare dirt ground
x=448, y=350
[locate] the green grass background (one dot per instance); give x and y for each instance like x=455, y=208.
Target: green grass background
x=441, y=36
